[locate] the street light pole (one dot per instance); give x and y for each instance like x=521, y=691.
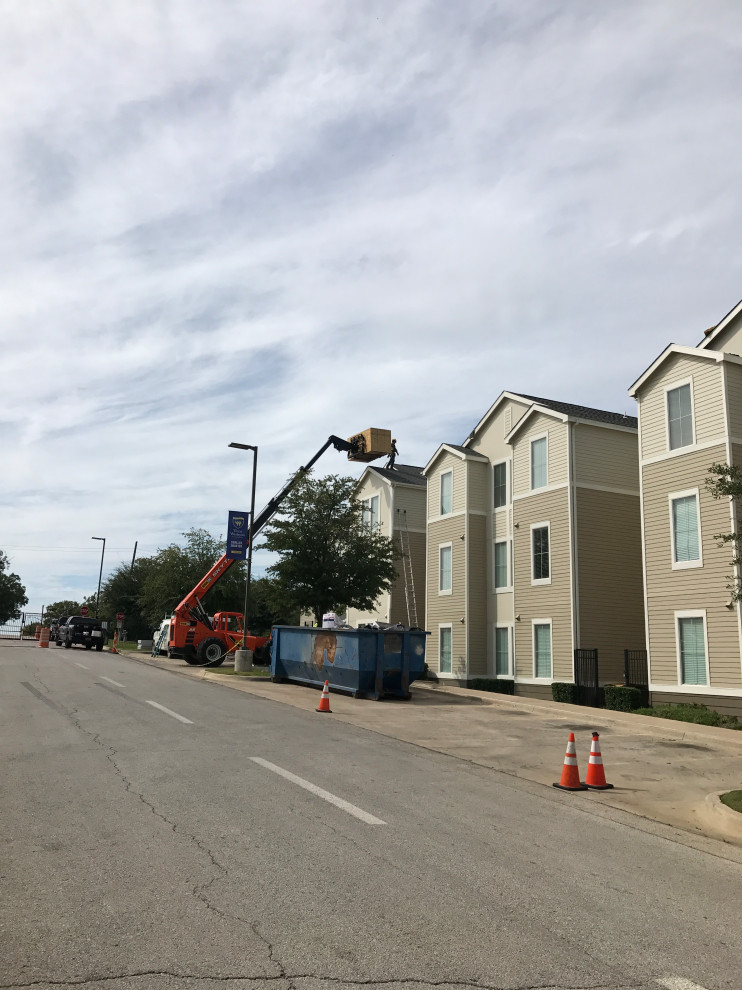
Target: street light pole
x=100, y=575
x=254, y=449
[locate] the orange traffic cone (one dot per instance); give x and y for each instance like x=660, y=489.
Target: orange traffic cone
x=570, y=774
x=595, y=779
x=115, y=641
x=324, y=701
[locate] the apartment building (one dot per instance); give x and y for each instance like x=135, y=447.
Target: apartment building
x=534, y=545
x=393, y=501
x=690, y=417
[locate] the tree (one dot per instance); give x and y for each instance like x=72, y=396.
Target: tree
x=58, y=609
x=726, y=482
x=268, y=607
x=329, y=558
x=12, y=593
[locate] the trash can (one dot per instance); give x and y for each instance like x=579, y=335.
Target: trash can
x=366, y=662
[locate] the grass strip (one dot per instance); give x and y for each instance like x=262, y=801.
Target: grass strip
x=733, y=800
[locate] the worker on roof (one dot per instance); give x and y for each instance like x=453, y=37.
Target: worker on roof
x=393, y=455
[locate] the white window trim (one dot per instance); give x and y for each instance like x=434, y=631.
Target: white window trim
x=508, y=587
x=442, y=546
x=445, y=673
x=671, y=388
x=541, y=622
x=541, y=436
x=508, y=485
x=678, y=565
x=366, y=503
x=444, y=515
x=699, y=613
x=547, y=526
x=511, y=636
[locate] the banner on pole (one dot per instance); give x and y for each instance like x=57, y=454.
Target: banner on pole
x=238, y=531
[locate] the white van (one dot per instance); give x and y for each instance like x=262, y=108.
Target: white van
x=161, y=631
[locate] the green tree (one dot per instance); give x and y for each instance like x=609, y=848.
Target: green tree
x=57, y=609
x=122, y=592
x=329, y=559
x=726, y=482
x=268, y=607
x=12, y=593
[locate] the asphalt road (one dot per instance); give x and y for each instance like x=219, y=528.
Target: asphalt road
x=161, y=832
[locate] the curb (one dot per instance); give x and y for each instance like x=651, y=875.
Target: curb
x=723, y=815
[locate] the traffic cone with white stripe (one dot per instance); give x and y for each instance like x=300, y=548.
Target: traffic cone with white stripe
x=324, y=701
x=570, y=773
x=595, y=779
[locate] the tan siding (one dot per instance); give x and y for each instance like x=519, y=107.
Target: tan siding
x=447, y=608
x=610, y=583
x=606, y=457
x=704, y=587
x=491, y=441
x=398, y=602
x=556, y=447
x=447, y=462
x=734, y=394
x=552, y=601
x=707, y=401
x=480, y=488
x=413, y=501
x=730, y=339
x=477, y=612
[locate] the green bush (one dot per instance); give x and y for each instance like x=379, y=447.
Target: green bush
x=619, y=698
x=566, y=692
x=699, y=714
x=491, y=684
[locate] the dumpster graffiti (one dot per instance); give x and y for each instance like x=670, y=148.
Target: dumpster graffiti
x=324, y=648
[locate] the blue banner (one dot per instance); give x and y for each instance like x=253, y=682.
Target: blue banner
x=238, y=531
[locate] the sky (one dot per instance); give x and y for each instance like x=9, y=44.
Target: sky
x=272, y=222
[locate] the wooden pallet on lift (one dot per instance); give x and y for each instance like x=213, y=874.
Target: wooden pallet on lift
x=371, y=444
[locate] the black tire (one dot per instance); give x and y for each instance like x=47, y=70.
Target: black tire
x=67, y=645
x=99, y=647
x=88, y=646
x=190, y=658
x=262, y=655
x=211, y=652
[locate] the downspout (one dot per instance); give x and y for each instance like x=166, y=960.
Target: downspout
x=574, y=565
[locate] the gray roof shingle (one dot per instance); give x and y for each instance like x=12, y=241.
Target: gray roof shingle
x=586, y=412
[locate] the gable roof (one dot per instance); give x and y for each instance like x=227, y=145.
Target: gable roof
x=671, y=349
x=402, y=474
x=514, y=396
x=710, y=337
x=463, y=453
x=587, y=412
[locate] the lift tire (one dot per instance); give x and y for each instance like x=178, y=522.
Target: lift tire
x=67, y=644
x=190, y=658
x=211, y=652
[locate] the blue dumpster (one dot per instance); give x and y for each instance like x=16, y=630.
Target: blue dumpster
x=361, y=661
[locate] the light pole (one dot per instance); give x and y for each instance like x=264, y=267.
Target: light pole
x=102, y=552
x=246, y=661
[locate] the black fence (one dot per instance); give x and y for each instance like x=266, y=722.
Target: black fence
x=635, y=670
x=21, y=628
x=587, y=678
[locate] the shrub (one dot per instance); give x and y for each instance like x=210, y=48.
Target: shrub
x=566, y=692
x=699, y=714
x=619, y=698
x=491, y=684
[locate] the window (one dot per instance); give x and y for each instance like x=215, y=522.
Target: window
x=446, y=493
x=444, y=568
x=538, y=463
x=371, y=512
x=542, y=649
x=501, y=565
x=500, y=484
x=679, y=416
x=502, y=651
x=444, y=649
x=686, y=524
x=692, y=648
x=540, y=563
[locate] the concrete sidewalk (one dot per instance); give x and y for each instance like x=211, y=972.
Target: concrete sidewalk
x=670, y=772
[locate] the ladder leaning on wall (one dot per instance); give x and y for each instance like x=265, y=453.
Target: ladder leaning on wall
x=409, y=581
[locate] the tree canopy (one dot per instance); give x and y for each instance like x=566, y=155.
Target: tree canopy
x=329, y=558
x=12, y=593
x=725, y=481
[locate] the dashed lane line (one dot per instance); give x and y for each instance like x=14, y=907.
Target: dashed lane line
x=678, y=983
x=81, y=665
x=111, y=681
x=319, y=792
x=168, y=711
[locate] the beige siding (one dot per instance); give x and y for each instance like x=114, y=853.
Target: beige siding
x=557, y=450
x=477, y=612
x=480, y=486
x=491, y=441
x=551, y=601
x=606, y=457
x=398, y=603
x=734, y=397
x=730, y=339
x=609, y=577
x=447, y=462
x=708, y=406
x=412, y=502
x=447, y=608
x=703, y=587
x=374, y=485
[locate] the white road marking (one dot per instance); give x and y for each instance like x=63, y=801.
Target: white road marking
x=180, y=718
x=111, y=681
x=81, y=665
x=319, y=792
x=678, y=983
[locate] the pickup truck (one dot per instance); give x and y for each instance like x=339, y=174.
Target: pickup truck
x=83, y=631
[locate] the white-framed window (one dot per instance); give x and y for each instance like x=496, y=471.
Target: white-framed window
x=501, y=562
x=446, y=493
x=680, y=414
x=692, y=643
x=685, y=529
x=445, y=648
x=540, y=553
x=542, y=663
x=371, y=512
x=500, y=484
x=539, y=462
x=503, y=651
x=445, y=573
